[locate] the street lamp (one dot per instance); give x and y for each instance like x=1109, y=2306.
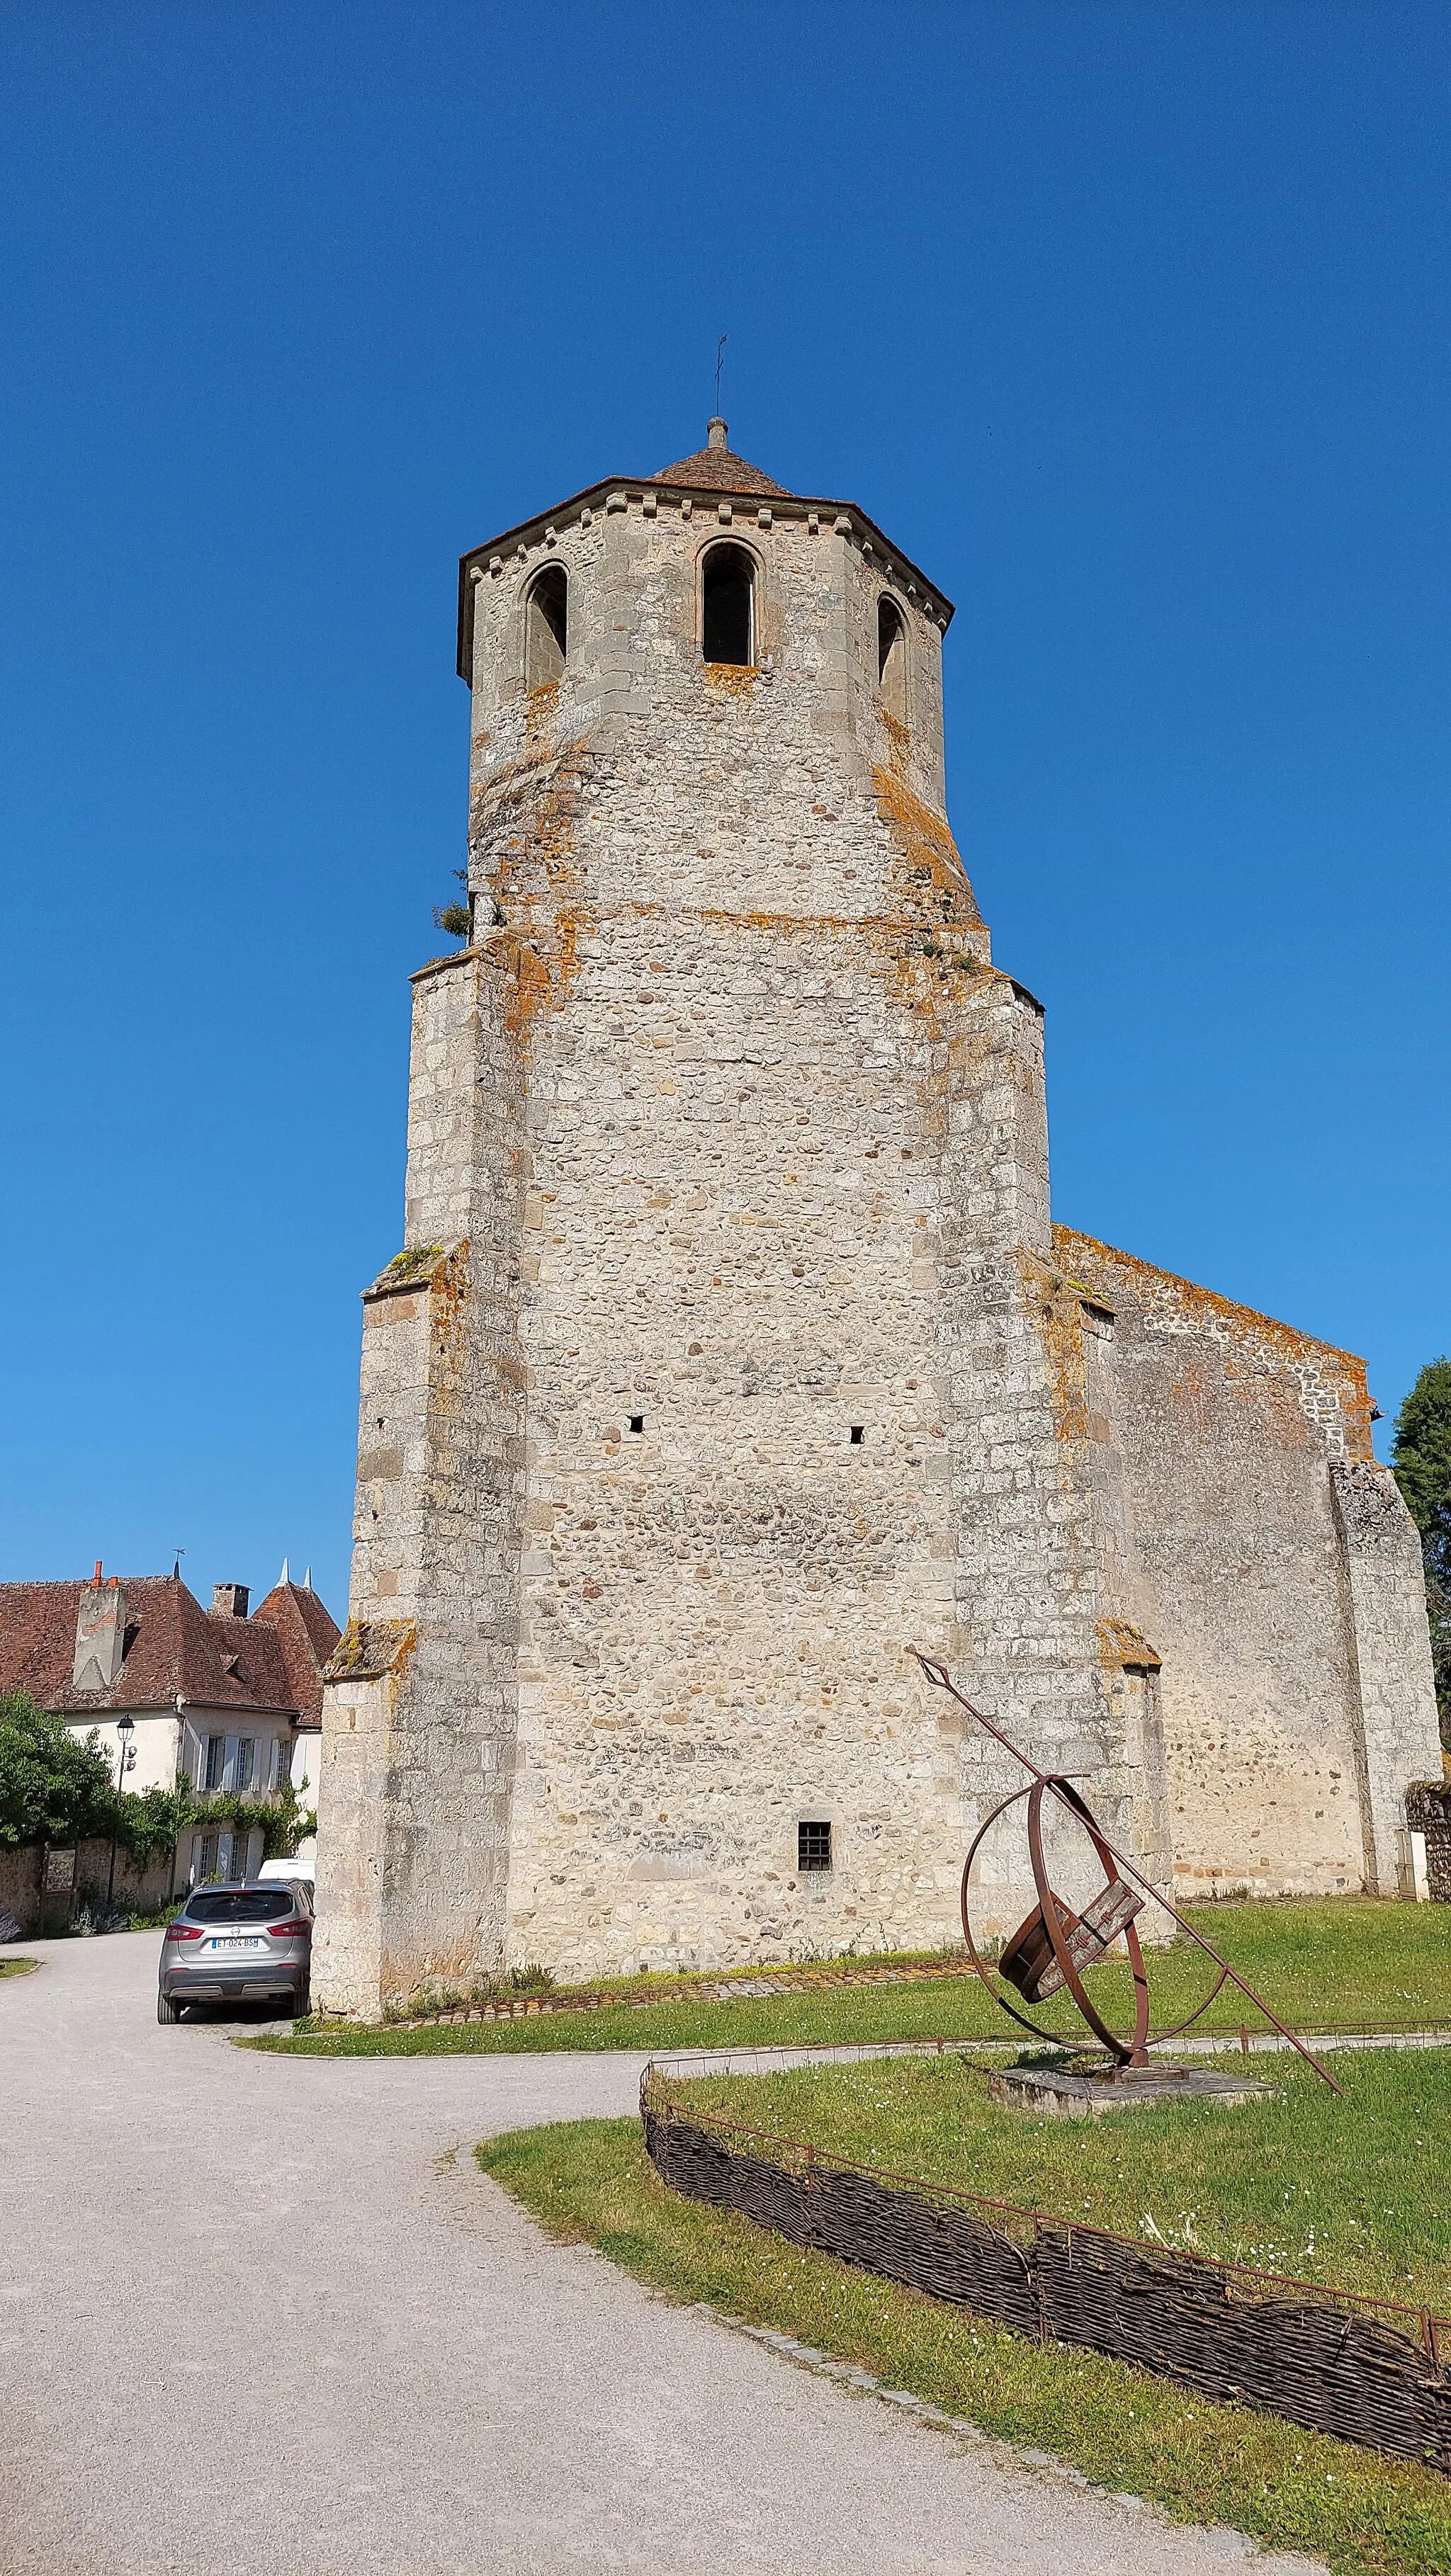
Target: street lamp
x=125, y=1729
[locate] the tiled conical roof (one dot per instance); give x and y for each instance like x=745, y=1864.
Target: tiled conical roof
x=717, y=470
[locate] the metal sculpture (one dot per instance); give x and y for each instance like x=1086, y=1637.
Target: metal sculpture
x=1054, y=1946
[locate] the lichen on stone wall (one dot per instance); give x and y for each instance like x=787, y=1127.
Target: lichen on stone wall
x=522, y=842
x=406, y=1269
x=369, y=1648
x=1057, y=1310
x=732, y=679
x=522, y=821
x=448, y=1316
x=540, y=708
x=1125, y=1648
x=930, y=880
x=1329, y=1383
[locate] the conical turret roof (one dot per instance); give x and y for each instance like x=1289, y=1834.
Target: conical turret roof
x=715, y=469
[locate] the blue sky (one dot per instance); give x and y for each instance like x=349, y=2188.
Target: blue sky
x=1129, y=322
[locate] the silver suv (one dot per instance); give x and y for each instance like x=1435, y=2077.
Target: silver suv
x=235, y=1944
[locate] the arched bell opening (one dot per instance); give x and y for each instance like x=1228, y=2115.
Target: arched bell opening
x=546, y=628
x=892, y=660
x=728, y=621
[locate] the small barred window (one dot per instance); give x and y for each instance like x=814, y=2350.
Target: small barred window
x=813, y=1846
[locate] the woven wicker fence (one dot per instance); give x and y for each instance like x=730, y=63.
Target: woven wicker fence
x=1362, y=2369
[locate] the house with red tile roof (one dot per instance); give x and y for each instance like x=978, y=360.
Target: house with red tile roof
x=232, y=1701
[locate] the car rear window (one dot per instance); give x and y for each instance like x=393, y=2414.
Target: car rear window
x=241, y=1905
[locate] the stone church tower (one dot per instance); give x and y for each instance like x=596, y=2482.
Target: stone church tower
x=733, y=1350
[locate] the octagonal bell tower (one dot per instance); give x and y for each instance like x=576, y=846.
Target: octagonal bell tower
x=723, y=1359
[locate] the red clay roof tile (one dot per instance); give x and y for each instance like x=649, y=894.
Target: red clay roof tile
x=271, y=1661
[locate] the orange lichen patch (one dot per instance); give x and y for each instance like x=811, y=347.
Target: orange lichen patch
x=403, y=1654
x=1058, y=1314
x=1125, y=1648
x=541, y=970
x=521, y=822
x=801, y=925
x=920, y=984
x=523, y=825
x=1326, y=1378
x=731, y=679
x=448, y=1316
x=930, y=879
x=539, y=709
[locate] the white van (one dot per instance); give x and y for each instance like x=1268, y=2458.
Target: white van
x=285, y=1873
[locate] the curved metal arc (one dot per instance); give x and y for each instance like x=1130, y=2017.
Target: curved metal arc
x=1049, y=1903
x=1180, y=2027
x=1132, y=1870
x=1136, y=2051
x=941, y=1679
x=1143, y=2039
x=1036, y=2029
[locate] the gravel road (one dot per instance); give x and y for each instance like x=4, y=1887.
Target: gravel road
x=254, y=2317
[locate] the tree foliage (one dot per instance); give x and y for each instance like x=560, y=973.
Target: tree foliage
x=284, y=1821
x=1421, y=1457
x=455, y=918
x=55, y=1787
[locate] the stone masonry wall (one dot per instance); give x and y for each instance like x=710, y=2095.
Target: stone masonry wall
x=1398, y=1735
x=1230, y=1428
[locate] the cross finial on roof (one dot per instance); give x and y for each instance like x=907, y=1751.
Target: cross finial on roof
x=716, y=433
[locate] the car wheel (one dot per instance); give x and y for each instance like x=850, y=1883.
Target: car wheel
x=166, y=2010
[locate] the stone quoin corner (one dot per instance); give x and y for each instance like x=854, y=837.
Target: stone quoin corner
x=732, y=1348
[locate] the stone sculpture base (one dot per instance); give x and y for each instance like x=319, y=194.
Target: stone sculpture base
x=1066, y=2093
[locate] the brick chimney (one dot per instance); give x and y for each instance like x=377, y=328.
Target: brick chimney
x=100, y=1634
x=229, y=1600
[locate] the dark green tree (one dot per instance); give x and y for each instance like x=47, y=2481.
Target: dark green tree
x=1421, y=1457
x=54, y=1787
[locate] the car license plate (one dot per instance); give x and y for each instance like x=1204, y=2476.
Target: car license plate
x=236, y=1945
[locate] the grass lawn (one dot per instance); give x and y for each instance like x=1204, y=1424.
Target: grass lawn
x=1344, y=1960
x=591, y=2181
x=1348, y=2192
x=17, y=1967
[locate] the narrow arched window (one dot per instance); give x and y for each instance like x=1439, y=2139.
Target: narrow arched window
x=728, y=630
x=546, y=627
x=892, y=661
